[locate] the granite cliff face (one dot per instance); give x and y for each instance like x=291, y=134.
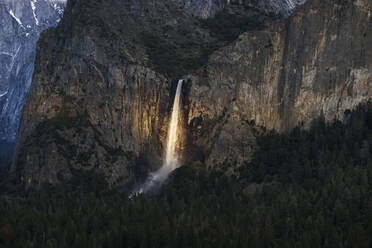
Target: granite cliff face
x=95, y=101
x=315, y=63
x=21, y=23
x=105, y=80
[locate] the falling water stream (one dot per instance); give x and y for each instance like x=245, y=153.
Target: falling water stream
x=171, y=161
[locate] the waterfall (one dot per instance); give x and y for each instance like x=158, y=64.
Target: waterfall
x=171, y=158
x=171, y=161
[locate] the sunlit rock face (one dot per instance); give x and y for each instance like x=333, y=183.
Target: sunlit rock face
x=99, y=102
x=21, y=22
x=318, y=62
x=209, y=8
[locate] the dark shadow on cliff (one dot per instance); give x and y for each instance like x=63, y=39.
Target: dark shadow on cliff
x=302, y=156
x=6, y=154
x=181, y=49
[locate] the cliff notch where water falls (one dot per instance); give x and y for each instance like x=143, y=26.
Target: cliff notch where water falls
x=105, y=79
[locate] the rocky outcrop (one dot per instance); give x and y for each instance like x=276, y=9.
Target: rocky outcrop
x=105, y=80
x=95, y=102
x=315, y=63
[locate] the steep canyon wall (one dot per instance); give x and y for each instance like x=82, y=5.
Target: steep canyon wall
x=98, y=100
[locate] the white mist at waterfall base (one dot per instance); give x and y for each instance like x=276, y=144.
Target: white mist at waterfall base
x=171, y=157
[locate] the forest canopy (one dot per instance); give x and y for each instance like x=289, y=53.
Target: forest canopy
x=302, y=189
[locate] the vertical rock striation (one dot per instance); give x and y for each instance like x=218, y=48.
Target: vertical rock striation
x=315, y=63
x=21, y=23
x=102, y=89
x=95, y=103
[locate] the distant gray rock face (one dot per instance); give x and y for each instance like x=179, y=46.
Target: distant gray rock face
x=21, y=22
x=209, y=8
